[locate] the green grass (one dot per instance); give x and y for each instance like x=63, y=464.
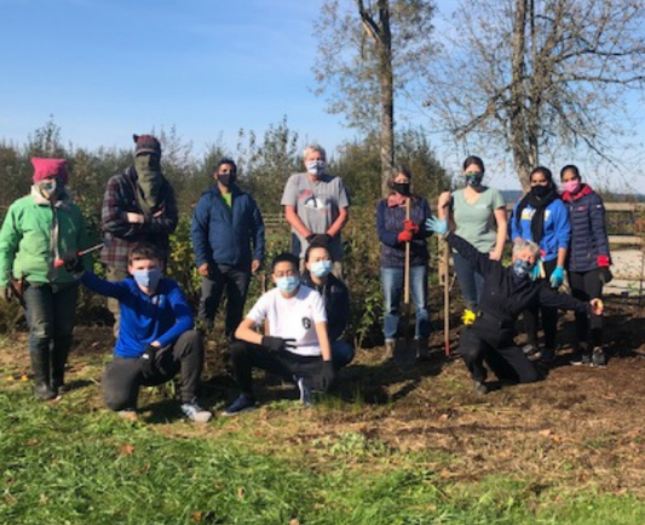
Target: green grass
x=59, y=465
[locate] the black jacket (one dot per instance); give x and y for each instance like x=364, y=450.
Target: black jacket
x=503, y=298
x=336, y=298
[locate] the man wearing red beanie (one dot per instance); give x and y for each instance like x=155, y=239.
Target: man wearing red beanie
x=38, y=230
x=138, y=206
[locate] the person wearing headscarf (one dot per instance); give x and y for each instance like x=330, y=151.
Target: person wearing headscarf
x=38, y=230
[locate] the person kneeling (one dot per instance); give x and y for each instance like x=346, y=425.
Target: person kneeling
x=156, y=337
x=297, y=348
x=506, y=294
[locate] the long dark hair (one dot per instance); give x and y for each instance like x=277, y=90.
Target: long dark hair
x=539, y=205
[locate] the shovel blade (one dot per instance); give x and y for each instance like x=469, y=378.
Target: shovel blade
x=405, y=352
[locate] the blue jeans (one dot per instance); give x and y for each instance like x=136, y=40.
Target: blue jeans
x=342, y=353
x=392, y=280
x=471, y=282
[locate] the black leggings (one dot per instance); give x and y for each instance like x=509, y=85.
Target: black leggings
x=549, y=314
x=586, y=286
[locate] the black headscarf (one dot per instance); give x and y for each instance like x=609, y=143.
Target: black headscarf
x=539, y=205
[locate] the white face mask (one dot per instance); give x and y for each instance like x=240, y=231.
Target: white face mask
x=315, y=167
x=48, y=188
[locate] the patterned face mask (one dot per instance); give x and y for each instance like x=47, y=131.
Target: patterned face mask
x=315, y=167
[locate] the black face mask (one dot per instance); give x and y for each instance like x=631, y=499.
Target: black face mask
x=402, y=188
x=541, y=191
x=225, y=180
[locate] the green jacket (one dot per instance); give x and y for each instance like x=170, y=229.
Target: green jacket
x=30, y=241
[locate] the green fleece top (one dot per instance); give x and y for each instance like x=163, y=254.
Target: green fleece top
x=26, y=249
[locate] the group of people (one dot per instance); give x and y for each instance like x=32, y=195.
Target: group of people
x=43, y=245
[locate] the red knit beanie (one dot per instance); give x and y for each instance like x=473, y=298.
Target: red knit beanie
x=44, y=168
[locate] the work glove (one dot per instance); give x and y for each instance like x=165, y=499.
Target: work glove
x=440, y=227
x=73, y=263
x=277, y=344
x=6, y=293
x=148, y=360
x=410, y=226
x=557, y=277
x=405, y=236
x=535, y=272
x=326, y=377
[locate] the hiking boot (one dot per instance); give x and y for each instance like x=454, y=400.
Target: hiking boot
x=598, y=359
x=389, y=349
x=241, y=404
x=129, y=414
x=422, y=350
x=480, y=387
x=44, y=392
x=580, y=358
x=195, y=413
x=304, y=385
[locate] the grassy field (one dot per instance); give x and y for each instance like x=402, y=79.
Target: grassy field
x=390, y=447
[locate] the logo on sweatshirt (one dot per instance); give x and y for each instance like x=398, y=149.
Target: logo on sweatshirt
x=306, y=322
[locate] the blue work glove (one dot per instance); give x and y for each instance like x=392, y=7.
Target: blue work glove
x=535, y=273
x=557, y=277
x=440, y=227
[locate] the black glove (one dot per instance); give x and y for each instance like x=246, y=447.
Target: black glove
x=148, y=360
x=73, y=263
x=327, y=375
x=277, y=344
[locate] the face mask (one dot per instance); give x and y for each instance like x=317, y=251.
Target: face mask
x=321, y=268
x=573, y=186
x=402, y=188
x=474, y=179
x=49, y=188
x=315, y=167
x=522, y=268
x=540, y=191
x=288, y=283
x=224, y=180
x=147, y=278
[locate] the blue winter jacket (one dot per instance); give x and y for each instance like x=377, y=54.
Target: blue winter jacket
x=588, y=231
x=557, y=229
x=224, y=235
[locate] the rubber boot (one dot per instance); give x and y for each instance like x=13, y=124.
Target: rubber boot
x=41, y=368
x=59, y=360
x=423, y=352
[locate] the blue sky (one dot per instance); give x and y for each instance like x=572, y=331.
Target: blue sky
x=109, y=68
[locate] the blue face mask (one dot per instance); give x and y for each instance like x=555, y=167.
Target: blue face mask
x=522, y=268
x=321, y=268
x=147, y=278
x=287, y=284
x=315, y=167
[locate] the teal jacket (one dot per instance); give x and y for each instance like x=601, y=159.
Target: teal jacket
x=35, y=233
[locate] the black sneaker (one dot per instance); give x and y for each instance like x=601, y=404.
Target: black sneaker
x=598, y=359
x=241, y=404
x=580, y=358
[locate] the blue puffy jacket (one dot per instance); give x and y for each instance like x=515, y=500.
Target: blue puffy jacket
x=589, y=245
x=224, y=234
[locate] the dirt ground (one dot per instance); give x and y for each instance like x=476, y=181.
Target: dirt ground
x=580, y=427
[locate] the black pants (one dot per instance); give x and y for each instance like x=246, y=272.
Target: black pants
x=549, y=314
x=586, y=286
x=123, y=377
x=486, y=343
x=236, y=282
x=246, y=356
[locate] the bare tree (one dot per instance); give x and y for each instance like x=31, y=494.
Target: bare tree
x=532, y=75
x=367, y=49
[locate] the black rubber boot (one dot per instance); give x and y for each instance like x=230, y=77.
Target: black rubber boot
x=59, y=360
x=40, y=366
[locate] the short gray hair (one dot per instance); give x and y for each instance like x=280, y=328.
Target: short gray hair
x=314, y=147
x=523, y=244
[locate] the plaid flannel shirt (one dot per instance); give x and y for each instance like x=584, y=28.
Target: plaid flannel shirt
x=120, y=235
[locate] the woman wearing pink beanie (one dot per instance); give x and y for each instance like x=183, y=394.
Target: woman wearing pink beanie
x=38, y=229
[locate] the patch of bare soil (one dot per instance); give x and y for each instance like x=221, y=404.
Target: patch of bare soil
x=579, y=427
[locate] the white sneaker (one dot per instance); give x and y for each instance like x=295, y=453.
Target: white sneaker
x=195, y=413
x=304, y=385
x=129, y=414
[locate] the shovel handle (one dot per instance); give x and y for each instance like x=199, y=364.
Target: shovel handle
x=406, y=275
x=59, y=262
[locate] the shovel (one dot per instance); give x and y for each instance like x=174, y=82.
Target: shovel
x=405, y=353
x=446, y=298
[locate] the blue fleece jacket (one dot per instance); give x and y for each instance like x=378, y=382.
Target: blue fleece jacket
x=224, y=235
x=161, y=317
x=557, y=228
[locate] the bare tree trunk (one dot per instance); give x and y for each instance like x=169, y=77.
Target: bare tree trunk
x=386, y=82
